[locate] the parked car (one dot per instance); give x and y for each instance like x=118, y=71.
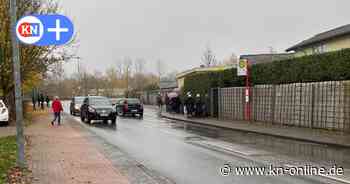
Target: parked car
x=129, y=106
x=4, y=113
x=114, y=101
x=97, y=108
x=75, y=105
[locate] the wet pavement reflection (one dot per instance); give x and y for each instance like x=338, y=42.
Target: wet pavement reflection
x=308, y=152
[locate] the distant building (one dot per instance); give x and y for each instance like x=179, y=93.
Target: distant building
x=167, y=86
x=332, y=40
x=266, y=58
x=115, y=92
x=180, y=77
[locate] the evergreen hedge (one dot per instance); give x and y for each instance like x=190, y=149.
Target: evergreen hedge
x=332, y=66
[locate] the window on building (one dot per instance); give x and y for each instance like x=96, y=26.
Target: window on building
x=319, y=49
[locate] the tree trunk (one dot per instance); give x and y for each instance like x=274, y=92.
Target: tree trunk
x=10, y=102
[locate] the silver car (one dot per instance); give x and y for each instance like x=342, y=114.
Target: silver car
x=4, y=113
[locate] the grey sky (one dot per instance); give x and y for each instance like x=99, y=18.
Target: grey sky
x=177, y=31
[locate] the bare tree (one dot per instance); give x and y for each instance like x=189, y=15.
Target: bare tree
x=127, y=63
x=208, y=58
x=139, y=75
x=231, y=60
x=58, y=73
x=120, y=69
x=160, y=69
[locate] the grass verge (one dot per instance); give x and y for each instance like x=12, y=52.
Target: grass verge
x=8, y=152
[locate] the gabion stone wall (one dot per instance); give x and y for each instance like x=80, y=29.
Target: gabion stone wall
x=231, y=103
x=323, y=105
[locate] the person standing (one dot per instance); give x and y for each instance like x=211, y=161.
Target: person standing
x=42, y=100
x=56, y=108
x=189, y=105
x=34, y=102
x=47, y=99
x=159, y=102
x=38, y=100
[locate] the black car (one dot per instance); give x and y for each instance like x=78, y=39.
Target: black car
x=130, y=106
x=75, y=105
x=97, y=108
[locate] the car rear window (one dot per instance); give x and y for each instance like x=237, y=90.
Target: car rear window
x=100, y=101
x=133, y=101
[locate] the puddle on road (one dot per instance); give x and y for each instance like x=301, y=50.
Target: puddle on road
x=322, y=154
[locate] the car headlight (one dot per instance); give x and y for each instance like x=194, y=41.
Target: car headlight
x=77, y=107
x=92, y=110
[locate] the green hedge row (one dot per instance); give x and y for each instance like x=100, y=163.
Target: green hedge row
x=332, y=66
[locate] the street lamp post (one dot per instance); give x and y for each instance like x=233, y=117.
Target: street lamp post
x=17, y=81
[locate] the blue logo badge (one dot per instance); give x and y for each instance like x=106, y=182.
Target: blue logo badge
x=44, y=30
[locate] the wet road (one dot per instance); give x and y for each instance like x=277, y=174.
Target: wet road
x=189, y=154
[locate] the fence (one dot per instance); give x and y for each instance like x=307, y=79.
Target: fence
x=323, y=105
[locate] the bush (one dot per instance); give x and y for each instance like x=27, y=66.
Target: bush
x=332, y=66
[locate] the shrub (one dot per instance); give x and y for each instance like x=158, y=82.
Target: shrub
x=332, y=66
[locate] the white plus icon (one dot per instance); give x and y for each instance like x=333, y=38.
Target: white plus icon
x=58, y=30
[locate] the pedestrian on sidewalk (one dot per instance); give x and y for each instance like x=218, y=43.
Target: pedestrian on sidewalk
x=189, y=105
x=47, y=99
x=34, y=102
x=159, y=102
x=56, y=108
x=42, y=100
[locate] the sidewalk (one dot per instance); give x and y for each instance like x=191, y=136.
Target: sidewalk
x=7, y=131
x=296, y=133
x=62, y=154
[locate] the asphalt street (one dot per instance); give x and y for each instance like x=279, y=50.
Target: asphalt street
x=189, y=154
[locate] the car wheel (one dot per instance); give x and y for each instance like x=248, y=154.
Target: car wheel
x=133, y=115
x=105, y=121
x=4, y=123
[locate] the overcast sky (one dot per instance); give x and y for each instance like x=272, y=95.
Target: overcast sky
x=177, y=31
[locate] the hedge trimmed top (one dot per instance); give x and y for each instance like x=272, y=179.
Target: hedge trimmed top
x=332, y=66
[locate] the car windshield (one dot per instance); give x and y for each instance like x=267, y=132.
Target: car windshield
x=100, y=101
x=79, y=100
x=133, y=101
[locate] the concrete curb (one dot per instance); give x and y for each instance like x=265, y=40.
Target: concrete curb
x=262, y=133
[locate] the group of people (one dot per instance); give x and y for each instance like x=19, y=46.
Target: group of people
x=56, y=106
x=192, y=106
x=40, y=100
x=173, y=104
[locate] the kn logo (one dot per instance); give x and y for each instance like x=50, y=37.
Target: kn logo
x=44, y=30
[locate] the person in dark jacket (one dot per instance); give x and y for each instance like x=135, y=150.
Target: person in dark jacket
x=189, y=104
x=159, y=103
x=57, y=109
x=34, y=102
x=42, y=100
x=38, y=100
x=198, y=105
x=47, y=99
